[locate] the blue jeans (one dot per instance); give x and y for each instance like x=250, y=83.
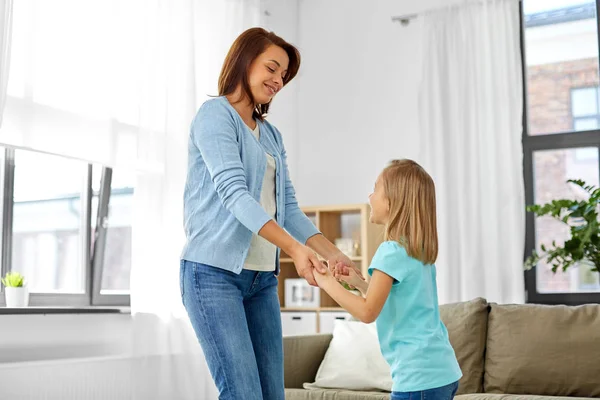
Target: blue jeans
x=238, y=324
x=442, y=393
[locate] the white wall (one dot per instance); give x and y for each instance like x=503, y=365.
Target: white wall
x=357, y=95
x=353, y=106
x=94, y=350
x=44, y=337
x=282, y=19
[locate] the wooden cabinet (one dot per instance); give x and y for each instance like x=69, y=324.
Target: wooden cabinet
x=335, y=222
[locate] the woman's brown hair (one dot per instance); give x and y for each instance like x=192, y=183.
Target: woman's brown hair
x=244, y=50
x=412, y=219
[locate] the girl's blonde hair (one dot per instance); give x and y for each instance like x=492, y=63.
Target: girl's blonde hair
x=412, y=218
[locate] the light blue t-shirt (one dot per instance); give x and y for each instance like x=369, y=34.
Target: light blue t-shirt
x=412, y=337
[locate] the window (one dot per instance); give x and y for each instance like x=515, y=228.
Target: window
x=561, y=138
x=50, y=235
x=47, y=231
x=585, y=108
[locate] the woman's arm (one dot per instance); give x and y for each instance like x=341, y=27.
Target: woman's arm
x=214, y=134
x=366, y=309
x=303, y=257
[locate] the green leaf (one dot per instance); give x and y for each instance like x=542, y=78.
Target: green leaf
x=13, y=279
x=582, y=218
x=577, y=182
x=573, y=243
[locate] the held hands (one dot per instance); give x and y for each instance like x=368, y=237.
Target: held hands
x=315, y=272
x=342, y=269
x=351, y=277
x=342, y=264
x=305, y=260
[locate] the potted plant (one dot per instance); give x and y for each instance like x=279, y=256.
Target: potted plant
x=583, y=246
x=15, y=291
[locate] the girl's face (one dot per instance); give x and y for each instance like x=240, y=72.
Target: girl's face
x=266, y=74
x=380, y=205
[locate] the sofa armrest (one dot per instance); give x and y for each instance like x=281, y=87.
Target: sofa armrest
x=302, y=357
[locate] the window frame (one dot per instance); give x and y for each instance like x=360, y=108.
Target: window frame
x=552, y=141
x=99, y=247
x=92, y=250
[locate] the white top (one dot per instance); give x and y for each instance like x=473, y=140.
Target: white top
x=261, y=255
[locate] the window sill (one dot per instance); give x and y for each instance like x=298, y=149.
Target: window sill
x=64, y=310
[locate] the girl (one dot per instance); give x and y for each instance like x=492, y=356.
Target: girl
x=402, y=296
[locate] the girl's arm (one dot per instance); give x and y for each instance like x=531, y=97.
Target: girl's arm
x=365, y=309
x=350, y=277
x=363, y=287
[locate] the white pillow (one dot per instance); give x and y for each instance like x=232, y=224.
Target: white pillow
x=353, y=360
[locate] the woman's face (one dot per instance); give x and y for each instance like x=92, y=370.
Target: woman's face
x=266, y=74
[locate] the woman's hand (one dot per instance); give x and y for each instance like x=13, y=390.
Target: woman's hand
x=305, y=260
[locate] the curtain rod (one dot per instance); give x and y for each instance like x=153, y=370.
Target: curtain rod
x=404, y=19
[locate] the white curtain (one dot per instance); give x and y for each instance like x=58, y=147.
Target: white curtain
x=83, y=86
x=470, y=106
x=77, y=86
x=118, y=82
x=186, y=43
x=5, y=29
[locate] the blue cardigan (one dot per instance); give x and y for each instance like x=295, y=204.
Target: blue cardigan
x=226, y=166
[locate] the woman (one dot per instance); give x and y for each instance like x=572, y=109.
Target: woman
x=239, y=207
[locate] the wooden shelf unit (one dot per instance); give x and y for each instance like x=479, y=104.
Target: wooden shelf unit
x=344, y=221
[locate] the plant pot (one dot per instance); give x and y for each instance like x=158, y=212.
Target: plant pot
x=16, y=297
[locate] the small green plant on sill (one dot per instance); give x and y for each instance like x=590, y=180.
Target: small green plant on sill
x=582, y=219
x=13, y=279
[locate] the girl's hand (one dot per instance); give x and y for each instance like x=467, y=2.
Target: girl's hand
x=342, y=262
x=350, y=276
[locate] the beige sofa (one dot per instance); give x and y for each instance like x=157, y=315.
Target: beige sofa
x=529, y=352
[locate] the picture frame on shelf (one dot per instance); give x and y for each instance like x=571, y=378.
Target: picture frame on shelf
x=299, y=294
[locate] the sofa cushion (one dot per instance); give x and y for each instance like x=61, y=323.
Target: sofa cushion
x=467, y=327
x=302, y=356
x=491, y=396
x=333, y=394
x=353, y=360
x=543, y=350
